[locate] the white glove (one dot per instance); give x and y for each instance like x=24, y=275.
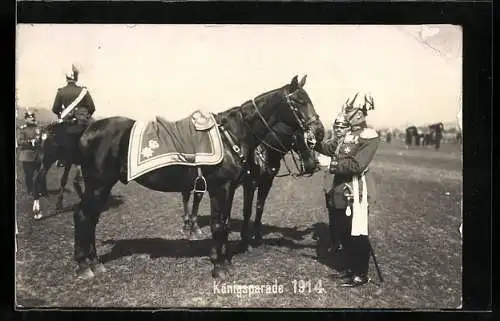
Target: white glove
x=33, y=142
x=60, y=120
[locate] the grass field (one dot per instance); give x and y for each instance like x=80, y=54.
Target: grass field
x=413, y=229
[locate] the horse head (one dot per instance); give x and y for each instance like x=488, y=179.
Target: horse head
x=301, y=112
x=290, y=105
x=296, y=140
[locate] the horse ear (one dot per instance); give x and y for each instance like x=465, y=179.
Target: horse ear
x=294, y=84
x=303, y=81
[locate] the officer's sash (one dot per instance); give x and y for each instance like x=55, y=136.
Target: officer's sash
x=75, y=102
x=359, y=206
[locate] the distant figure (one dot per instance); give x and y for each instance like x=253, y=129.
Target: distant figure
x=29, y=145
x=388, y=138
x=74, y=108
x=436, y=131
x=412, y=135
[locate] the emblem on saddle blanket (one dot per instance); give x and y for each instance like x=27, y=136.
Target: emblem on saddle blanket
x=191, y=141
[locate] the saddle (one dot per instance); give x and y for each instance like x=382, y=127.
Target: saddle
x=192, y=141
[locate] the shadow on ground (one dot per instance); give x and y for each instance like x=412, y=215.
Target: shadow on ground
x=324, y=253
x=183, y=248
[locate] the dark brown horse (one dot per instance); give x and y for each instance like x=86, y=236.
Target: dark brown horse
x=262, y=167
x=55, y=146
x=104, y=150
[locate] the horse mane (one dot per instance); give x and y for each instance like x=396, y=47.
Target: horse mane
x=246, y=109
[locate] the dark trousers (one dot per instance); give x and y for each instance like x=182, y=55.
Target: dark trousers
x=30, y=169
x=356, y=248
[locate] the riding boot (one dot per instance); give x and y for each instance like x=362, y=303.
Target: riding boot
x=359, y=250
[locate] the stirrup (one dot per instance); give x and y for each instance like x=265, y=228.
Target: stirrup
x=202, y=178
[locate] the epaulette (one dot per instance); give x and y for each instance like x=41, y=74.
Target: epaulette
x=368, y=133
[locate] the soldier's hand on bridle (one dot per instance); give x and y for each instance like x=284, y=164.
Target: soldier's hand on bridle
x=333, y=166
x=310, y=139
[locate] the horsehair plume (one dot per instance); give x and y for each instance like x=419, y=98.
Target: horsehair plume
x=75, y=71
x=351, y=104
x=369, y=101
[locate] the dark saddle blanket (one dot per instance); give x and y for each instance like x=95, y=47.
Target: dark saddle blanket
x=191, y=141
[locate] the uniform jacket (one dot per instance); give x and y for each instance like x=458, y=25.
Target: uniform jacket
x=354, y=152
x=28, y=143
x=66, y=95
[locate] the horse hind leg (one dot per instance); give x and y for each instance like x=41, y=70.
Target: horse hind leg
x=195, y=228
x=264, y=188
x=248, y=195
x=62, y=187
x=101, y=196
x=86, y=216
x=220, y=207
x=82, y=232
x=186, y=228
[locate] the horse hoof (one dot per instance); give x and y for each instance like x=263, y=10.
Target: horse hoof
x=38, y=216
x=186, y=233
x=257, y=241
x=213, y=254
x=229, y=269
x=244, y=247
x=216, y=272
x=85, y=274
x=99, y=268
x=197, y=232
x=220, y=273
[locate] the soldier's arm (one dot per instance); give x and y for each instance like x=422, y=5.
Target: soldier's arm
x=57, y=106
x=22, y=139
x=89, y=103
x=327, y=147
x=356, y=164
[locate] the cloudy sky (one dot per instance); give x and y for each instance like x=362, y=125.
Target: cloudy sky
x=413, y=72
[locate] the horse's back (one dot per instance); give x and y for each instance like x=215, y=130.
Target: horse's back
x=105, y=142
x=105, y=127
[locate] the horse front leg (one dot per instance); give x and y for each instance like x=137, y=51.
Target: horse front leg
x=40, y=186
x=220, y=203
x=264, y=188
x=186, y=228
x=35, y=191
x=77, y=182
x=248, y=195
x=62, y=187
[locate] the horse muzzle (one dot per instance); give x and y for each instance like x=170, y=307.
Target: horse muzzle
x=317, y=129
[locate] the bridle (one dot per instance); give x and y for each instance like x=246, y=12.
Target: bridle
x=309, y=137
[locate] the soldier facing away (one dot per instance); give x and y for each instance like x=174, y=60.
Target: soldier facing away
x=352, y=188
x=29, y=137
x=74, y=108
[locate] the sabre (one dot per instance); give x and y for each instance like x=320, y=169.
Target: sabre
x=375, y=261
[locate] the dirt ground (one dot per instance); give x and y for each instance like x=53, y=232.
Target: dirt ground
x=413, y=229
